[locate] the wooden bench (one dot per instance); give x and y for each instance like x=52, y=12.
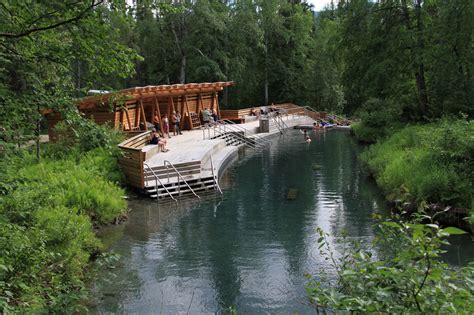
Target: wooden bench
x=237, y=115
x=150, y=150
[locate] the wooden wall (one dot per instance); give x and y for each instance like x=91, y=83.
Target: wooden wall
x=100, y=117
x=131, y=161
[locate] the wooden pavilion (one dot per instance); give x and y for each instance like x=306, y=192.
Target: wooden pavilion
x=131, y=110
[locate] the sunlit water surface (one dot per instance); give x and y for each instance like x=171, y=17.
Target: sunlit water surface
x=251, y=248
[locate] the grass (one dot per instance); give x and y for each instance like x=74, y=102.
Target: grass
x=432, y=162
x=47, y=213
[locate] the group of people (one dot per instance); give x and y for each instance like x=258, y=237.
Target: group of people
x=209, y=117
x=264, y=110
x=321, y=125
x=162, y=128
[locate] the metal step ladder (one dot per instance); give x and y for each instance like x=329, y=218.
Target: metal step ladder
x=174, y=189
x=279, y=123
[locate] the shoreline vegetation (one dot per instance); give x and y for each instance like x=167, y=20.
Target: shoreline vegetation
x=428, y=167
x=49, y=211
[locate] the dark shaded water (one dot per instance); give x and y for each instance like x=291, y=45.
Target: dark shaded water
x=250, y=248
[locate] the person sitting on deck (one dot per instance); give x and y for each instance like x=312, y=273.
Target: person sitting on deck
x=156, y=139
x=316, y=126
x=252, y=112
x=273, y=109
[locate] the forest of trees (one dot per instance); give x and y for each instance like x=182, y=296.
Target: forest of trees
x=390, y=63
x=413, y=58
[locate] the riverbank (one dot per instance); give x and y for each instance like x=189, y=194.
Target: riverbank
x=48, y=212
x=427, y=164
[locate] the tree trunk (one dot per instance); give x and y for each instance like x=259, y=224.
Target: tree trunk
x=417, y=50
x=182, y=74
x=420, y=74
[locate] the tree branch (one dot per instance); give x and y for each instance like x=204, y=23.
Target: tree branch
x=52, y=26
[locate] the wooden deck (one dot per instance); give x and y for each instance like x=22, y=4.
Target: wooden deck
x=197, y=158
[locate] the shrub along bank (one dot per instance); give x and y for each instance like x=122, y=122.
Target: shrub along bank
x=432, y=163
x=47, y=213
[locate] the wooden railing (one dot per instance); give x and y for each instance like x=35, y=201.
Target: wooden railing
x=132, y=158
x=290, y=108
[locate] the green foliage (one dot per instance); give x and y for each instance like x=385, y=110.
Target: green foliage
x=379, y=119
x=47, y=213
x=84, y=134
x=399, y=272
x=51, y=52
x=431, y=163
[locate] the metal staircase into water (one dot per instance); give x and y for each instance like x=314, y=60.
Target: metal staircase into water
x=234, y=134
x=178, y=180
x=278, y=122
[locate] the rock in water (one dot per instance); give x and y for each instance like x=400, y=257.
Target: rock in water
x=292, y=193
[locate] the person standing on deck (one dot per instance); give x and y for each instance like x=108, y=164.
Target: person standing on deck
x=215, y=116
x=166, y=126
x=205, y=116
x=156, y=123
x=175, y=120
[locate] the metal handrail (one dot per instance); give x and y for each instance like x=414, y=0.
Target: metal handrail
x=240, y=137
x=157, y=179
x=204, y=128
x=179, y=176
x=255, y=136
x=236, y=134
x=281, y=125
x=214, y=176
x=310, y=109
x=260, y=141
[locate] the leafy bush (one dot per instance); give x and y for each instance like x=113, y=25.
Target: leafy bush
x=400, y=272
x=47, y=213
x=379, y=118
x=431, y=163
x=84, y=134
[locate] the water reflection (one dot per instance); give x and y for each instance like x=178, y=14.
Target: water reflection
x=251, y=248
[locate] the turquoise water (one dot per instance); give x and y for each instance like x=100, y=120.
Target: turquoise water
x=250, y=248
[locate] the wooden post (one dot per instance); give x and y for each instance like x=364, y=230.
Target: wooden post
x=121, y=119
x=142, y=110
x=170, y=104
x=216, y=104
x=212, y=102
x=128, y=118
x=137, y=115
x=157, y=104
x=190, y=121
x=141, y=159
x=173, y=108
x=181, y=123
x=199, y=104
